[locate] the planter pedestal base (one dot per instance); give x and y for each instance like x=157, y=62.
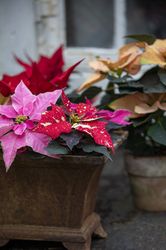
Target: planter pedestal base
x=72, y=238
x=3, y=242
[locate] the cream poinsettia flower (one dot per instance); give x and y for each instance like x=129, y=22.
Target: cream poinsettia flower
x=155, y=53
x=128, y=61
x=140, y=104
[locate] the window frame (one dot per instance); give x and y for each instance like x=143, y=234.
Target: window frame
x=51, y=32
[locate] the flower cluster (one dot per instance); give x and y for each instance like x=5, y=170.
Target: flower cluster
x=31, y=119
x=139, y=78
x=130, y=59
x=26, y=122
x=18, y=119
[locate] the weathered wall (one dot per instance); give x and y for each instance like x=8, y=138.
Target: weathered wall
x=40, y=26
x=17, y=32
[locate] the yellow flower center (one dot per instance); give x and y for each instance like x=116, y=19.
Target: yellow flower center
x=21, y=118
x=75, y=118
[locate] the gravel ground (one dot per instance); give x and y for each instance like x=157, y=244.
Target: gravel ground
x=128, y=228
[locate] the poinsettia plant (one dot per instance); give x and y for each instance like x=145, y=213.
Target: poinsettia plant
x=37, y=122
x=42, y=76
x=137, y=82
x=148, y=134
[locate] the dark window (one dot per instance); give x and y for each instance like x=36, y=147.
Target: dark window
x=89, y=23
x=145, y=16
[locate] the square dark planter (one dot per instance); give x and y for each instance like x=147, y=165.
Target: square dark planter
x=50, y=199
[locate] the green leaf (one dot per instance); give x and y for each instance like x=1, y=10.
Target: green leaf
x=150, y=39
x=90, y=93
x=55, y=148
x=71, y=139
x=162, y=76
x=73, y=96
x=123, y=79
x=137, y=144
x=33, y=155
x=152, y=82
x=158, y=131
x=88, y=148
x=111, y=126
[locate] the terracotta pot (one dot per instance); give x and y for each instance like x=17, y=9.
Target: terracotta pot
x=50, y=199
x=148, y=181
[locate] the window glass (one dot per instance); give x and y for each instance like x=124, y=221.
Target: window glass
x=89, y=23
x=144, y=16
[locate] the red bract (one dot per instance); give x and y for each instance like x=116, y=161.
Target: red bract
x=41, y=77
x=53, y=123
x=86, y=110
x=82, y=117
x=97, y=130
x=82, y=109
x=49, y=67
x=60, y=81
x=9, y=83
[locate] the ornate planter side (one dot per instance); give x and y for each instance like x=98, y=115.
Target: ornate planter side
x=148, y=181
x=50, y=199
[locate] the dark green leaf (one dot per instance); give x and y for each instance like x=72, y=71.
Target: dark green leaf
x=90, y=93
x=105, y=100
x=33, y=155
x=73, y=96
x=151, y=82
x=71, y=139
x=158, y=131
x=142, y=120
x=150, y=39
x=137, y=144
x=88, y=148
x=55, y=148
x=123, y=79
x=112, y=125
x=162, y=76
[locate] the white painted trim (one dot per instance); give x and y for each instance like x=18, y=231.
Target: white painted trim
x=120, y=22
x=62, y=20
x=51, y=32
x=50, y=25
x=74, y=54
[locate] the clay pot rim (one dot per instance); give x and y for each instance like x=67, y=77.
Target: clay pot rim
x=141, y=170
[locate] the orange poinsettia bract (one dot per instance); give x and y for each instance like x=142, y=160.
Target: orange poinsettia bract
x=128, y=61
x=155, y=53
x=140, y=104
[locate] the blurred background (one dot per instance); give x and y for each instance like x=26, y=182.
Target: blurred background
x=86, y=28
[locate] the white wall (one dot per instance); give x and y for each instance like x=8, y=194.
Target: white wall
x=38, y=26
x=17, y=32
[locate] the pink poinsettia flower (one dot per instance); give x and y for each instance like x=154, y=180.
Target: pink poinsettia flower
x=83, y=117
x=18, y=119
x=119, y=116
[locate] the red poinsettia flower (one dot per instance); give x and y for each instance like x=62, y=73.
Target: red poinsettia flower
x=53, y=123
x=41, y=77
x=82, y=117
x=49, y=67
x=9, y=83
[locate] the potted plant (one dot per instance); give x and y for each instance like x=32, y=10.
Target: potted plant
x=53, y=155
x=137, y=82
x=145, y=160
